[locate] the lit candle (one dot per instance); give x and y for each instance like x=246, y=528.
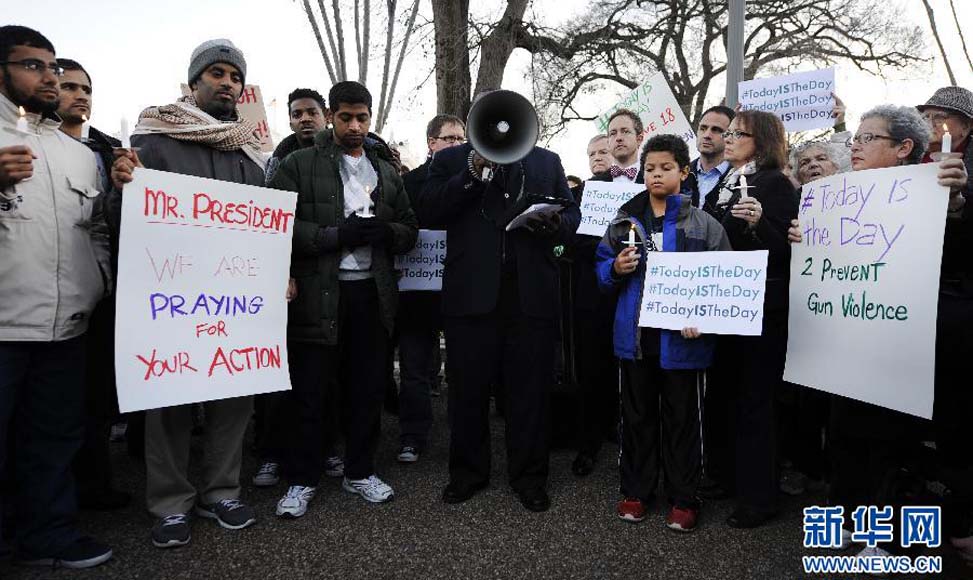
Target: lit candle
x=22, y=126
x=368, y=200
x=743, y=185
x=126, y=140
x=947, y=146
x=85, y=128
x=631, y=237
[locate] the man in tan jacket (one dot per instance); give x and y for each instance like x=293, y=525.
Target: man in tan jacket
x=54, y=269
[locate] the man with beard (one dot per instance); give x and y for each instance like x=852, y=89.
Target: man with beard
x=54, y=270
x=200, y=135
x=92, y=467
x=307, y=112
x=709, y=168
x=352, y=218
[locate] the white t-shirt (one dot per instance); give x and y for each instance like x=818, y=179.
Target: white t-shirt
x=359, y=180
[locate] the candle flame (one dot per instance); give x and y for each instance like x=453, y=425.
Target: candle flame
x=945, y=128
x=632, y=226
x=23, y=113
x=84, y=118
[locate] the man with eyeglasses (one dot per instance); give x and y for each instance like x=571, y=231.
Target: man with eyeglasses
x=55, y=268
x=625, y=135
x=419, y=318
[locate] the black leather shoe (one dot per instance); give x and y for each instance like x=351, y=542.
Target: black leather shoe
x=458, y=492
x=747, y=518
x=535, y=499
x=583, y=465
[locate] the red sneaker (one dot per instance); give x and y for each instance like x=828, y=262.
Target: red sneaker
x=631, y=510
x=682, y=519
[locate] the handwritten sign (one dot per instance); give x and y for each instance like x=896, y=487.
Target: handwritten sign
x=422, y=268
x=655, y=104
x=202, y=276
x=803, y=101
x=600, y=203
x=716, y=292
x=251, y=106
x=864, y=286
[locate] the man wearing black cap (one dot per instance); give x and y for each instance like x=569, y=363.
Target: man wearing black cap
x=181, y=138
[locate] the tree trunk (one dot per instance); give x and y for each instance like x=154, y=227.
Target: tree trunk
x=366, y=43
x=398, y=66
x=498, y=45
x=450, y=19
x=343, y=62
x=317, y=36
x=935, y=33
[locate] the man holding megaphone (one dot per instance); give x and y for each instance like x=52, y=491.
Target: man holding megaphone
x=500, y=297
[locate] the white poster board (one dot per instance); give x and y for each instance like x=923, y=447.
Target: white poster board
x=865, y=286
x=716, y=292
x=655, y=104
x=600, y=203
x=422, y=267
x=251, y=106
x=202, y=276
x=803, y=101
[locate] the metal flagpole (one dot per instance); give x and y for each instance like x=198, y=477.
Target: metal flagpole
x=734, y=51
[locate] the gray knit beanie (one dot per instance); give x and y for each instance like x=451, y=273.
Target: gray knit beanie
x=214, y=51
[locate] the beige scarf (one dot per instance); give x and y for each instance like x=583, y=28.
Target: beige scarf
x=185, y=121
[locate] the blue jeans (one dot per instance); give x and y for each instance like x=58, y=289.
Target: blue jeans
x=42, y=411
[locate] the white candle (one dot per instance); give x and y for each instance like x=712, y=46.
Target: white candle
x=22, y=126
x=631, y=237
x=743, y=185
x=368, y=201
x=85, y=128
x=947, y=146
x=126, y=140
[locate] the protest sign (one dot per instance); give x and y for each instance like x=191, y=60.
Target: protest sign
x=865, y=285
x=716, y=292
x=422, y=267
x=655, y=104
x=600, y=203
x=202, y=274
x=803, y=101
x=251, y=106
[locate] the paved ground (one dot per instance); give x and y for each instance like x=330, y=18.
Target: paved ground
x=419, y=537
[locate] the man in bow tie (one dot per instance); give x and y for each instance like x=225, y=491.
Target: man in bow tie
x=625, y=135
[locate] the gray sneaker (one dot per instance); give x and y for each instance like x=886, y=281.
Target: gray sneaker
x=231, y=514
x=171, y=531
x=334, y=466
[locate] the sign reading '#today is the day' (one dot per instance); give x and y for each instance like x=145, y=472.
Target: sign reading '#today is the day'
x=864, y=286
x=202, y=274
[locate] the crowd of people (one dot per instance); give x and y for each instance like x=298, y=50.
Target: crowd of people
x=710, y=416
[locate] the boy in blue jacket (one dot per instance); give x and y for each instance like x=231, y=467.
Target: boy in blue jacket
x=660, y=368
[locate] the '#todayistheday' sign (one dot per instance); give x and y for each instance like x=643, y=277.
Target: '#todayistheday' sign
x=422, y=267
x=600, y=203
x=865, y=284
x=202, y=276
x=715, y=292
x=803, y=101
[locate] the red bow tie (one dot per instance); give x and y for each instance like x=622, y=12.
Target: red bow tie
x=631, y=172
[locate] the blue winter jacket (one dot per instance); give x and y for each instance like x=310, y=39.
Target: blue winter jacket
x=684, y=229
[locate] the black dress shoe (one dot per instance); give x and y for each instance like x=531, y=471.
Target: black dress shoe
x=710, y=489
x=583, y=464
x=747, y=518
x=535, y=499
x=459, y=492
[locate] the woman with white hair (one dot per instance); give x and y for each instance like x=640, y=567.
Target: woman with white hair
x=816, y=159
x=869, y=442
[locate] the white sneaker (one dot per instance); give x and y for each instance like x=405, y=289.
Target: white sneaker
x=267, y=475
x=372, y=489
x=294, y=503
x=334, y=466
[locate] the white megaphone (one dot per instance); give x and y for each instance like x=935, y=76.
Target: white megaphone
x=502, y=126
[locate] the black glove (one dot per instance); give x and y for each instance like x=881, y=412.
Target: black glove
x=376, y=232
x=351, y=232
x=545, y=225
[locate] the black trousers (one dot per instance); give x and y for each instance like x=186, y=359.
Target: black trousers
x=419, y=362
x=358, y=363
x=747, y=376
x=660, y=432
x=42, y=411
x=518, y=351
x=802, y=420
x=598, y=379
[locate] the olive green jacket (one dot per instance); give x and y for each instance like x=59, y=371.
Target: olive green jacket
x=313, y=174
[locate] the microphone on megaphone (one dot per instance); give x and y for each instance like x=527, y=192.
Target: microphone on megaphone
x=502, y=127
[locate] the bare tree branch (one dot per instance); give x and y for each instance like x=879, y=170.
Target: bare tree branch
x=339, y=71
x=935, y=33
x=410, y=26
x=342, y=62
x=358, y=37
x=962, y=37
x=317, y=36
x=366, y=43
x=389, y=35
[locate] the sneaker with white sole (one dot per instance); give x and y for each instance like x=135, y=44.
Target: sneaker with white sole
x=334, y=466
x=171, y=531
x=268, y=475
x=231, y=514
x=408, y=454
x=82, y=553
x=372, y=489
x=294, y=503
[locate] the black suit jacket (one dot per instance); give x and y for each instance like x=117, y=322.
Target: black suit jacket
x=473, y=214
x=414, y=182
